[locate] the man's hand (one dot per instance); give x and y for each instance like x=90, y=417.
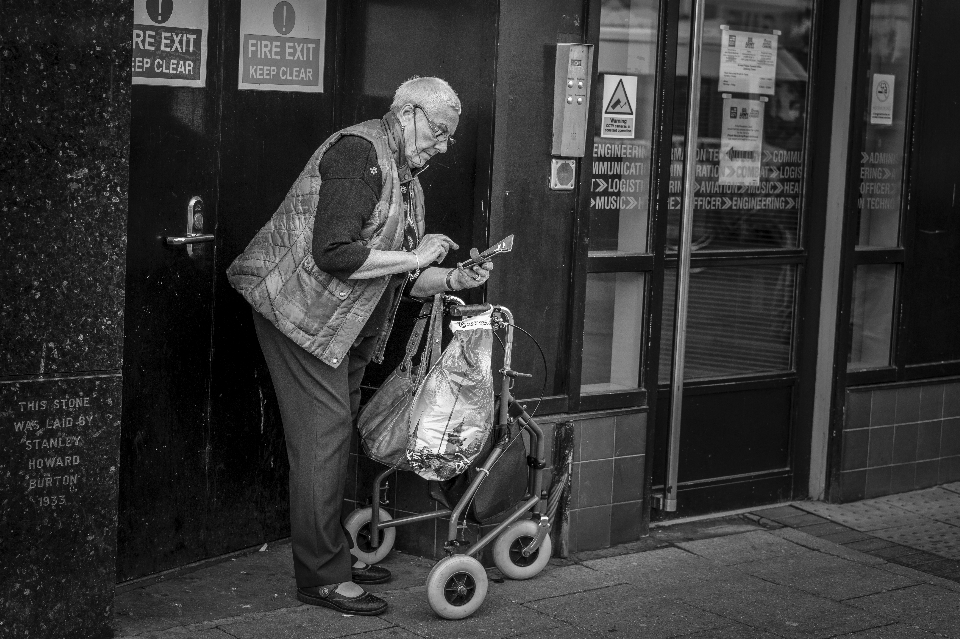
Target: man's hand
x=434, y=248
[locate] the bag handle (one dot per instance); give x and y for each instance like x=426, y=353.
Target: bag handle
x=436, y=329
x=433, y=311
x=413, y=343
x=434, y=334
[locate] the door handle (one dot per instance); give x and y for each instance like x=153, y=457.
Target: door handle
x=194, y=234
x=668, y=501
x=192, y=238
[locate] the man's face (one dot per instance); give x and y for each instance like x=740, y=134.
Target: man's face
x=426, y=134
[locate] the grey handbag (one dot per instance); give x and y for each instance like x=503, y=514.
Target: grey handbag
x=384, y=421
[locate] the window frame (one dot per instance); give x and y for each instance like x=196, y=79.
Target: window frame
x=651, y=264
x=901, y=256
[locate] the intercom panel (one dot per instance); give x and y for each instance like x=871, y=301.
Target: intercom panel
x=571, y=99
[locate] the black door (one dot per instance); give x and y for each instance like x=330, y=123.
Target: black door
x=203, y=462
x=165, y=448
x=266, y=139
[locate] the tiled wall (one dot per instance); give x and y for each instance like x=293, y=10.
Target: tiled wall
x=606, y=501
x=609, y=461
x=899, y=438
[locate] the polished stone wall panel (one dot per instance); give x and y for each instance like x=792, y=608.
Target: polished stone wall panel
x=64, y=117
x=64, y=171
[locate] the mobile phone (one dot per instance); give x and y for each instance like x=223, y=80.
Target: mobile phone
x=503, y=246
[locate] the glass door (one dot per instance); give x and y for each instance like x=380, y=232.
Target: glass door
x=735, y=239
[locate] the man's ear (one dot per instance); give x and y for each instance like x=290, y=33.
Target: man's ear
x=406, y=111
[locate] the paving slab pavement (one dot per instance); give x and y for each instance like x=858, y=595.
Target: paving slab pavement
x=807, y=570
x=927, y=519
x=919, y=529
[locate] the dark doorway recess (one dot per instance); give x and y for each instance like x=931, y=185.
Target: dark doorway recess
x=203, y=463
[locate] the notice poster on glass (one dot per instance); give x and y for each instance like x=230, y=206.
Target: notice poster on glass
x=748, y=61
x=881, y=101
x=741, y=141
x=170, y=42
x=619, y=115
x=281, y=45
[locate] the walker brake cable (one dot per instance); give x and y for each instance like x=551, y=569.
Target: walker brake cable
x=543, y=358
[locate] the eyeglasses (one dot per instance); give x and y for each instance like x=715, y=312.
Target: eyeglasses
x=440, y=131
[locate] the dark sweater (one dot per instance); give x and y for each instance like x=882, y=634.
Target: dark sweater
x=348, y=194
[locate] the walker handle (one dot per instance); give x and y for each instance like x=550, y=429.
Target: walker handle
x=469, y=310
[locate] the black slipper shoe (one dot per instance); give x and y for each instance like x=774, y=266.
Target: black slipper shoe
x=370, y=575
x=365, y=604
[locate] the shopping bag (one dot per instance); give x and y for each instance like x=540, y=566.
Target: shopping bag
x=384, y=422
x=503, y=490
x=452, y=413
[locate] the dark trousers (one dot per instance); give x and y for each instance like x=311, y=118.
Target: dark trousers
x=318, y=406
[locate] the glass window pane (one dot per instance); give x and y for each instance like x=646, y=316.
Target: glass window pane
x=620, y=189
x=740, y=321
x=733, y=210
x=613, y=332
x=873, y=287
x=880, y=184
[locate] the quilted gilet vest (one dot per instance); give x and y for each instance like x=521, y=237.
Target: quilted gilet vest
x=276, y=273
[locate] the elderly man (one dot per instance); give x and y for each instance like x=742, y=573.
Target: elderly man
x=324, y=277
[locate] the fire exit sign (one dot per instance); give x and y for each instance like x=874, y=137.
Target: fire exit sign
x=170, y=42
x=281, y=45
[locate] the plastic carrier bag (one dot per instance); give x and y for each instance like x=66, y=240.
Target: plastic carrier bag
x=452, y=413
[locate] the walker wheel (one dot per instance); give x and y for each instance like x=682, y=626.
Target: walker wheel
x=508, y=550
x=456, y=586
x=358, y=525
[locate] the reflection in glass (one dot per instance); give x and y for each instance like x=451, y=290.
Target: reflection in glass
x=612, y=332
x=873, y=287
x=740, y=216
x=880, y=184
x=740, y=321
x=620, y=188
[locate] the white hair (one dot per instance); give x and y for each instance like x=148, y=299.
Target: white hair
x=433, y=94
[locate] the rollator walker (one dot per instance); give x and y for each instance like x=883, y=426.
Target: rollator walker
x=457, y=584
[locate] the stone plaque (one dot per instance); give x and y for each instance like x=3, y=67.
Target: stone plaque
x=58, y=495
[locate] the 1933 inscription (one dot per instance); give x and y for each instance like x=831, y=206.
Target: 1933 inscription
x=50, y=432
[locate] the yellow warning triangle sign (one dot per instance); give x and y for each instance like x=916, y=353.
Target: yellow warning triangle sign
x=619, y=103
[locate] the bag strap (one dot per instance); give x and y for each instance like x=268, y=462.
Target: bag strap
x=431, y=351
x=413, y=344
x=436, y=328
